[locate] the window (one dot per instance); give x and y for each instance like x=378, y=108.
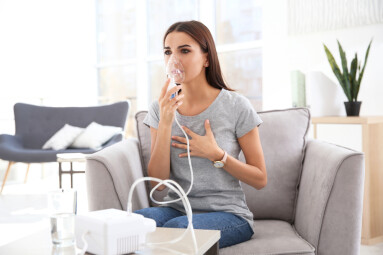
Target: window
x=116, y=54
x=161, y=14
x=238, y=38
x=160, y=17
x=238, y=21
x=242, y=70
x=130, y=57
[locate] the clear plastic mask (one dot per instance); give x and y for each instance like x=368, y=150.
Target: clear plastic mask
x=175, y=70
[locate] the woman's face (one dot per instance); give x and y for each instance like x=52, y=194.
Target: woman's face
x=188, y=52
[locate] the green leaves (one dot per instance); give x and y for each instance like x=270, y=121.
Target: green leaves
x=352, y=77
x=345, y=72
x=339, y=75
x=347, y=79
x=364, y=66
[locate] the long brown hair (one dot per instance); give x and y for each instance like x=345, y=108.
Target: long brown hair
x=201, y=34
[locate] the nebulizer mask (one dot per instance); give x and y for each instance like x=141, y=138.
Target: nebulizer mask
x=175, y=71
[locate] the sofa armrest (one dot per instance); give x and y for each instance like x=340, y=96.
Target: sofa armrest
x=330, y=200
x=11, y=141
x=109, y=175
x=9, y=146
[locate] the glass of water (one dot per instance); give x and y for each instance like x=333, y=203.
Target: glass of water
x=62, y=205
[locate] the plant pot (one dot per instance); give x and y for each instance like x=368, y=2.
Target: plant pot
x=352, y=108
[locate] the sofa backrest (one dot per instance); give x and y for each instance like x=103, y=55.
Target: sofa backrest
x=36, y=124
x=143, y=133
x=283, y=137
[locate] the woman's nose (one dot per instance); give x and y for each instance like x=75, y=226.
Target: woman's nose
x=174, y=57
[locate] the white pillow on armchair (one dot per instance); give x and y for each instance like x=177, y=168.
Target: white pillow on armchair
x=95, y=135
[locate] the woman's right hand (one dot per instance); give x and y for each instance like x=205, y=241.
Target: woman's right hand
x=169, y=106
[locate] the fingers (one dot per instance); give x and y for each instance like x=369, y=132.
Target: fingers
x=181, y=146
x=189, y=132
x=182, y=155
x=172, y=91
x=179, y=139
x=208, y=128
x=176, y=102
x=184, y=147
x=171, y=104
x=165, y=88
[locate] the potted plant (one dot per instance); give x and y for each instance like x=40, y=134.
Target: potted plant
x=349, y=79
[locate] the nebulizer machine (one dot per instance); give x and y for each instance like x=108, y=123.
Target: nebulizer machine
x=114, y=231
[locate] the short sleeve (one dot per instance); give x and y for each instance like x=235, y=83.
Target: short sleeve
x=247, y=117
x=153, y=117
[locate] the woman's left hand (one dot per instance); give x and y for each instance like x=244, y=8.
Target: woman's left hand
x=200, y=146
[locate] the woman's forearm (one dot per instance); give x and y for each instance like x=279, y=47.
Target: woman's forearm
x=159, y=164
x=246, y=173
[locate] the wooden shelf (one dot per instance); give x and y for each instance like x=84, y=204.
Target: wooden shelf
x=347, y=120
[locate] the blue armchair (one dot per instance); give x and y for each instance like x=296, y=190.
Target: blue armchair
x=34, y=125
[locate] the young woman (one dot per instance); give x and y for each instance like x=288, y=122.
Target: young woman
x=220, y=123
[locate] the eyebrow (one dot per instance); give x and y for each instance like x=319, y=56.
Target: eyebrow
x=179, y=47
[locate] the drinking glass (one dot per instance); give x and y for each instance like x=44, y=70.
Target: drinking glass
x=62, y=205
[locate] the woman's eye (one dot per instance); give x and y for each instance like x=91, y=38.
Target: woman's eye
x=167, y=52
x=185, y=51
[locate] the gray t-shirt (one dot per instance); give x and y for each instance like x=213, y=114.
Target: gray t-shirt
x=231, y=116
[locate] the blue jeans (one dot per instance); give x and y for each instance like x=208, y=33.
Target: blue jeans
x=233, y=229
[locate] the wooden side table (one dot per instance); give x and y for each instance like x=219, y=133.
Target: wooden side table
x=372, y=146
x=207, y=242
x=40, y=243
x=69, y=157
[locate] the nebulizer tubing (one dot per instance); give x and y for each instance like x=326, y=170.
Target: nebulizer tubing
x=174, y=68
x=181, y=193
x=191, y=173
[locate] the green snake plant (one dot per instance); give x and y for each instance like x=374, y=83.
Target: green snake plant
x=349, y=80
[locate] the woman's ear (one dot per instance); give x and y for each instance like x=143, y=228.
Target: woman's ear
x=206, y=63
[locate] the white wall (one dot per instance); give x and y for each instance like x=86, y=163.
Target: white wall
x=47, y=50
x=284, y=53
x=352, y=40
x=276, y=79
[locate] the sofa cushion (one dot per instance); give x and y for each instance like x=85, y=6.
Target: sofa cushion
x=271, y=237
x=283, y=136
x=95, y=135
x=63, y=138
